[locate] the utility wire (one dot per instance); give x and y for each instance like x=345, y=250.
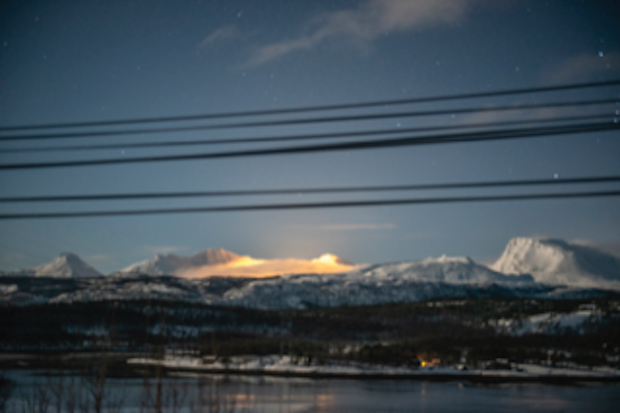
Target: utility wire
x=373, y=144
x=337, y=135
x=304, y=121
x=441, y=98
x=316, y=205
x=295, y=191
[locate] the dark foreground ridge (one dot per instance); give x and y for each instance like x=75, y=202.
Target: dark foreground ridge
x=491, y=336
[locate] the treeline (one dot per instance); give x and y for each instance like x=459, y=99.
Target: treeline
x=123, y=325
x=393, y=333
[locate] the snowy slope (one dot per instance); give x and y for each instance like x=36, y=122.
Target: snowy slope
x=170, y=264
x=421, y=280
x=549, y=323
x=455, y=270
x=556, y=262
x=401, y=282
x=66, y=265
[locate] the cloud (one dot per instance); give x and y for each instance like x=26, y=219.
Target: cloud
x=345, y=227
x=364, y=24
x=221, y=35
x=585, y=66
x=355, y=227
x=161, y=249
x=610, y=247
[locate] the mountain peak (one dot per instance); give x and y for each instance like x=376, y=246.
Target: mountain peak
x=66, y=265
x=69, y=257
x=557, y=262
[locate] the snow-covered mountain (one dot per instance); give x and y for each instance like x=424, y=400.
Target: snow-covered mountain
x=384, y=283
x=432, y=278
x=454, y=270
x=171, y=264
x=66, y=265
x=557, y=262
x=376, y=284
x=529, y=267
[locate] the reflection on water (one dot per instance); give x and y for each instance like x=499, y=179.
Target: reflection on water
x=192, y=393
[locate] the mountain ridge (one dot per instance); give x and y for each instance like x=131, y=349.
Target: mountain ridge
x=169, y=264
x=525, y=261
x=430, y=278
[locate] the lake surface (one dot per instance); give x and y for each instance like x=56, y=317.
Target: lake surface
x=274, y=394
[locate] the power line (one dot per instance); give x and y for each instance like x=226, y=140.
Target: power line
x=441, y=98
x=316, y=205
x=384, y=143
x=338, y=135
x=305, y=121
x=289, y=191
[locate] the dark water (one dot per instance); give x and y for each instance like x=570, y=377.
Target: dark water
x=269, y=394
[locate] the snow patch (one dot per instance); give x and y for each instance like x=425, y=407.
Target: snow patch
x=548, y=323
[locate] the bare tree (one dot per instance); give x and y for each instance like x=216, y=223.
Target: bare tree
x=113, y=401
x=73, y=395
x=211, y=399
x=94, y=381
x=163, y=396
x=6, y=389
x=146, y=396
x=58, y=391
x=175, y=396
x=35, y=399
x=99, y=396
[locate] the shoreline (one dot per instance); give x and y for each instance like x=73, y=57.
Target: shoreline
x=126, y=366
x=282, y=368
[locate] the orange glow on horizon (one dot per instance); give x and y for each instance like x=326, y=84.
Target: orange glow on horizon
x=247, y=266
x=244, y=261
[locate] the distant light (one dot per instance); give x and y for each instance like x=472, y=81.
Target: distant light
x=556, y=176
x=601, y=54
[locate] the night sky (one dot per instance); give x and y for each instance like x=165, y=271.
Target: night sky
x=71, y=61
